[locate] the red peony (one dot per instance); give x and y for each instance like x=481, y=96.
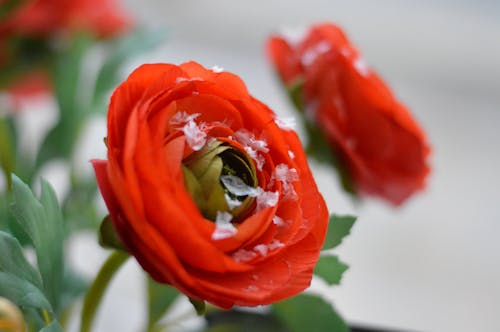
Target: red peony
x=205, y=189
x=373, y=134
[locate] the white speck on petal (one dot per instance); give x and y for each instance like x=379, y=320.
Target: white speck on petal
x=251, y=288
x=195, y=137
x=312, y=53
x=286, y=175
x=362, y=67
x=286, y=123
x=253, y=146
x=217, y=69
x=223, y=226
x=231, y=203
x=291, y=154
x=266, y=199
x=278, y=221
x=242, y=255
x=262, y=249
x=237, y=186
x=182, y=117
x=275, y=244
x=247, y=139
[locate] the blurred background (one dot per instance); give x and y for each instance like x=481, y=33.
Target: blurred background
x=432, y=265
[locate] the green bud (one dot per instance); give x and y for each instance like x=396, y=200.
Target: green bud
x=11, y=318
x=202, y=176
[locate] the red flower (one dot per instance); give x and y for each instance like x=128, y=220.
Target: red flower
x=381, y=146
x=103, y=18
x=205, y=189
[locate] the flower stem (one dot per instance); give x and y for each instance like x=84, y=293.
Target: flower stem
x=98, y=287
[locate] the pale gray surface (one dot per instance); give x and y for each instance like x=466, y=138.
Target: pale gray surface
x=432, y=265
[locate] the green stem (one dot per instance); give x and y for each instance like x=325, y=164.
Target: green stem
x=98, y=287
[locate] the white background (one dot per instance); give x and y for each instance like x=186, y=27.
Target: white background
x=432, y=265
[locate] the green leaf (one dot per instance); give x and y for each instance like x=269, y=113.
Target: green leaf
x=199, y=306
x=122, y=50
x=52, y=327
x=73, y=287
x=338, y=228
x=240, y=321
x=294, y=90
x=330, y=268
x=12, y=260
x=66, y=73
x=309, y=313
x=108, y=238
x=7, y=154
x=160, y=298
x=42, y=221
x=22, y=292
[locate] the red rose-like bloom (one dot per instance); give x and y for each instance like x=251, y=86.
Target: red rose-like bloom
x=206, y=190
x=381, y=146
x=103, y=18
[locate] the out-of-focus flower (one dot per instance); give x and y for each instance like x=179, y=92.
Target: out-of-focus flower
x=379, y=144
x=205, y=188
x=103, y=18
x=29, y=34
x=11, y=318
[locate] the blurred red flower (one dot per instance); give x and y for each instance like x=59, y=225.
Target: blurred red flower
x=103, y=18
x=379, y=144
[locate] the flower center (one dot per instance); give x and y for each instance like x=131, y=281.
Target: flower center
x=220, y=178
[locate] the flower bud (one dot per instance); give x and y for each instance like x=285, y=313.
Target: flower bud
x=11, y=318
x=204, y=172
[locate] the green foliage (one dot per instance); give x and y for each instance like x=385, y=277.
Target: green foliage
x=242, y=321
x=42, y=221
x=120, y=51
x=7, y=152
x=67, y=67
x=160, y=298
x=199, y=306
x=21, y=283
x=309, y=313
x=330, y=268
x=108, y=237
x=338, y=228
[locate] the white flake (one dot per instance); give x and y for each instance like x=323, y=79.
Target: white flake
x=242, y=255
x=362, y=67
x=253, y=146
x=291, y=154
x=231, y=203
x=312, y=53
x=223, y=227
x=187, y=79
x=195, y=137
x=182, y=117
x=266, y=199
x=278, y=221
x=275, y=244
x=262, y=249
x=237, y=187
x=286, y=175
x=286, y=123
x=247, y=139
x=251, y=288
x=217, y=69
